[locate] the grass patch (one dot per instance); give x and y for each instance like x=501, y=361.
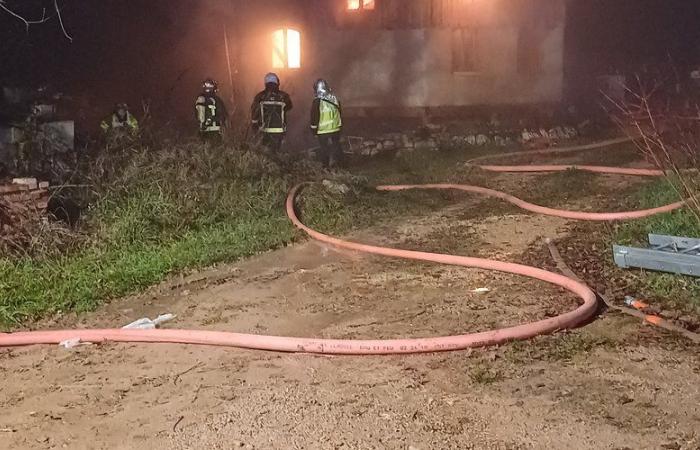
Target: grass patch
x=678, y=223
x=562, y=186
x=79, y=282
x=485, y=375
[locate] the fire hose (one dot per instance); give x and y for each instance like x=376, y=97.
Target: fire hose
x=569, y=320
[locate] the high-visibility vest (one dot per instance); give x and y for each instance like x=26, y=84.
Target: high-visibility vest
x=329, y=118
x=115, y=123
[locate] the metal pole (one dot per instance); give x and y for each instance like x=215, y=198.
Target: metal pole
x=228, y=63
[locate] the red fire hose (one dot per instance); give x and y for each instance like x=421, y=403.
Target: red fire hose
x=381, y=347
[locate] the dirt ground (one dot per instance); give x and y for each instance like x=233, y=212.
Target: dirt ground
x=614, y=384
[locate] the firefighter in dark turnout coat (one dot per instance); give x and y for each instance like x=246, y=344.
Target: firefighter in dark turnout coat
x=269, y=113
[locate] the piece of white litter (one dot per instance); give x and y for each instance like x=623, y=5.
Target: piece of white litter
x=163, y=318
x=481, y=291
x=71, y=343
x=148, y=324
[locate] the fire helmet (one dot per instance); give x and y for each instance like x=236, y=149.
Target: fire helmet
x=321, y=87
x=272, y=78
x=210, y=86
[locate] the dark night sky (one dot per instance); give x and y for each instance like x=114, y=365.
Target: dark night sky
x=127, y=49
x=633, y=32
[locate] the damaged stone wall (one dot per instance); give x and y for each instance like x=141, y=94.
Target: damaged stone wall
x=434, y=138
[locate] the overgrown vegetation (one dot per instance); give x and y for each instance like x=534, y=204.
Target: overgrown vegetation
x=155, y=212
x=159, y=211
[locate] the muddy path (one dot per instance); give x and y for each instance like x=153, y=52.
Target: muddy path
x=614, y=384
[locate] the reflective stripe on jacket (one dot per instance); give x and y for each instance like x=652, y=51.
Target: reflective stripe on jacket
x=272, y=114
x=269, y=111
x=210, y=113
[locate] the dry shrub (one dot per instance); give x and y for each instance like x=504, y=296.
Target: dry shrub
x=664, y=119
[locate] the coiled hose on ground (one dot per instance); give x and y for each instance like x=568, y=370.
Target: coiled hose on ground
x=569, y=320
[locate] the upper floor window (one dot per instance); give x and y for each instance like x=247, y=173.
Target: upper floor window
x=286, y=49
x=355, y=5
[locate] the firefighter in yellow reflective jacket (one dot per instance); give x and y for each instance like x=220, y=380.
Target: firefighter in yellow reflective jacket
x=121, y=122
x=211, y=112
x=327, y=123
x=269, y=113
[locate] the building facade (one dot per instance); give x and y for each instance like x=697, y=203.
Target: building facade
x=411, y=54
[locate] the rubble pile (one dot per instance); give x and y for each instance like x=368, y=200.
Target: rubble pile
x=23, y=203
x=27, y=192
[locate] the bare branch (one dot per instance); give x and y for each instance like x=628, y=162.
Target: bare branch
x=44, y=17
x=667, y=133
x=60, y=20
x=26, y=22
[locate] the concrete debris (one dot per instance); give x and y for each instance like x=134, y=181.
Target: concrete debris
x=26, y=193
x=425, y=145
x=148, y=324
x=555, y=134
x=336, y=188
x=23, y=206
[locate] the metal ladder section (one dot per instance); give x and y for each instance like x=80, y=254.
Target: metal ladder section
x=666, y=254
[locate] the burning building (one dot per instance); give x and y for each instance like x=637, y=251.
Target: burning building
x=407, y=55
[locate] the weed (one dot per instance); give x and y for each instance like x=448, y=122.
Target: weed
x=485, y=375
x=563, y=186
x=561, y=347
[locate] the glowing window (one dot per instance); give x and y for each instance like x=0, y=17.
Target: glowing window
x=286, y=49
x=361, y=4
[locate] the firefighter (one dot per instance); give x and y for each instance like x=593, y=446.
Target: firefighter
x=327, y=123
x=269, y=113
x=211, y=112
x=121, y=122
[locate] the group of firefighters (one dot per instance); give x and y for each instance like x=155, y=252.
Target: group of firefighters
x=268, y=117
